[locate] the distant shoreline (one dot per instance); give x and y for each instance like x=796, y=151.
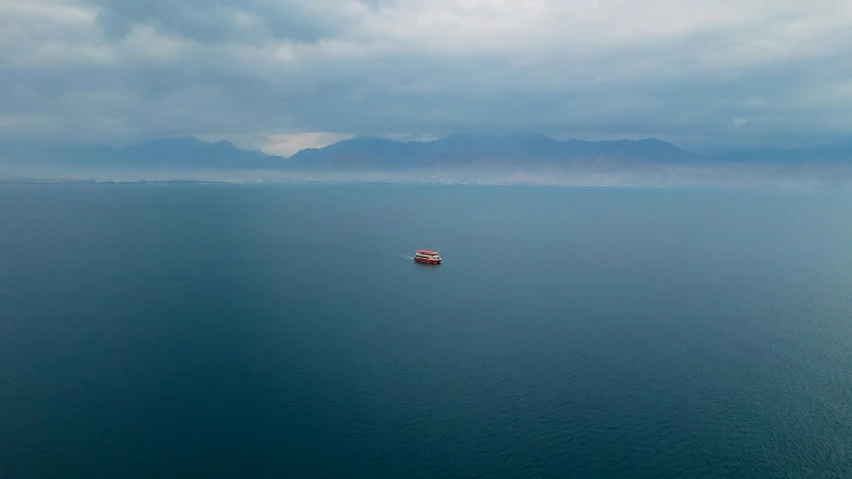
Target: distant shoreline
x=333, y=182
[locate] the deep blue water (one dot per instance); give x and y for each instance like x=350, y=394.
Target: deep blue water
x=281, y=331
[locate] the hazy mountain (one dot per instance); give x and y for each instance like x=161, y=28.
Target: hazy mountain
x=841, y=153
x=176, y=154
x=463, y=158
x=464, y=150
x=354, y=154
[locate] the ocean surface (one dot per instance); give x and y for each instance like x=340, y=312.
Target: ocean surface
x=191, y=330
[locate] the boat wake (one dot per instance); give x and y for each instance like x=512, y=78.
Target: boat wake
x=321, y=244
x=399, y=256
x=307, y=240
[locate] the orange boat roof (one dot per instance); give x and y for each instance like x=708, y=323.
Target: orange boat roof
x=426, y=251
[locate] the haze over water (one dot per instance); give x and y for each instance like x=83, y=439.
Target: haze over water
x=283, y=331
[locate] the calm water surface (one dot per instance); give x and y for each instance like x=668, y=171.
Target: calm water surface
x=284, y=331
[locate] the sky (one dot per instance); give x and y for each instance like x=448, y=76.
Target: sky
x=282, y=75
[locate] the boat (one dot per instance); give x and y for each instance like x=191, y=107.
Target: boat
x=426, y=256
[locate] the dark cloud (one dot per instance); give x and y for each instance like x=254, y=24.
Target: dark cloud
x=256, y=67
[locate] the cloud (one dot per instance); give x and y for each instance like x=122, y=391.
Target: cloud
x=279, y=71
x=230, y=20
x=282, y=144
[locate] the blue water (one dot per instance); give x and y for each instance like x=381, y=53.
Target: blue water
x=282, y=331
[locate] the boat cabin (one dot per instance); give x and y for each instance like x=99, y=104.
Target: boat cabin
x=427, y=256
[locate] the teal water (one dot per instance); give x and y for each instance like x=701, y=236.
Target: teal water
x=283, y=331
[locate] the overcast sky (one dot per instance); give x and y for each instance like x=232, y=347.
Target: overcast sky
x=281, y=75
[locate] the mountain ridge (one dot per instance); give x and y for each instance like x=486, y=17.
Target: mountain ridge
x=376, y=152
x=530, y=151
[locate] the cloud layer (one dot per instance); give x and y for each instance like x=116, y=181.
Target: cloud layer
x=289, y=72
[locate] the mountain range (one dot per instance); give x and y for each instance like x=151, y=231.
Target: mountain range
x=530, y=157
x=468, y=150
x=177, y=153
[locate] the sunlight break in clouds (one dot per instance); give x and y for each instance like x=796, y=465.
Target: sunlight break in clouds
x=123, y=71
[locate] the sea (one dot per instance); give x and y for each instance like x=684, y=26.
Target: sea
x=283, y=330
